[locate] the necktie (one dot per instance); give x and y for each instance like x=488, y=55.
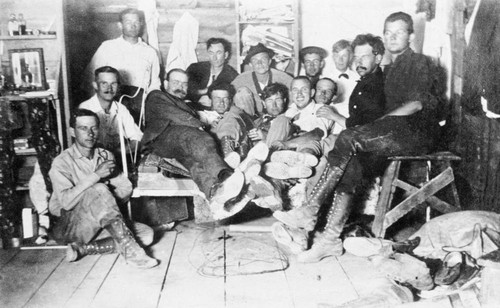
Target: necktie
x=344, y=75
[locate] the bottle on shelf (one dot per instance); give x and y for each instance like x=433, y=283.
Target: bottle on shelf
x=21, y=22
x=12, y=25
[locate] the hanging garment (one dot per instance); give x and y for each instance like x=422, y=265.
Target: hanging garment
x=183, y=49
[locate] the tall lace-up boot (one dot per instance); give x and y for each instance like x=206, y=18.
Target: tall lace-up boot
x=76, y=251
x=128, y=247
x=228, y=145
x=306, y=216
x=330, y=243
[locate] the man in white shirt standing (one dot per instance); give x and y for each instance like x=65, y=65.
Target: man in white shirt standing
x=110, y=113
x=137, y=62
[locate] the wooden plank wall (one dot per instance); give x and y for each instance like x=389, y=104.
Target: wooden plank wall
x=477, y=138
x=88, y=23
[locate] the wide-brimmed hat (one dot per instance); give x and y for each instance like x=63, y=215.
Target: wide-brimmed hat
x=312, y=49
x=258, y=49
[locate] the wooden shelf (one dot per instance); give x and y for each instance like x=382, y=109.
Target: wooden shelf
x=29, y=151
x=28, y=37
x=267, y=21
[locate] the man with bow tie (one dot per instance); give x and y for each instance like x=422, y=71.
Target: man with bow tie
x=344, y=76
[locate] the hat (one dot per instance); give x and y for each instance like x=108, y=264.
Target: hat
x=258, y=49
x=312, y=49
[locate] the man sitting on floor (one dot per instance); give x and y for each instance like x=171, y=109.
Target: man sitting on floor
x=173, y=130
x=86, y=193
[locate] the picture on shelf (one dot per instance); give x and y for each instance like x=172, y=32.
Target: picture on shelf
x=28, y=68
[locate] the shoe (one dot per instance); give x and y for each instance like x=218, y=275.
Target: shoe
x=252, y=170
x=457, y=267
x=283, y=171
x=330, y=244
x=404, y=268
x=293, y=158
x=127, y=246
x=266, y=195
x=232, y=159
x=228, y=145
x=145, y=234
x=230, y=208
x=294, y=239
x=260, y=151
x=229, y=188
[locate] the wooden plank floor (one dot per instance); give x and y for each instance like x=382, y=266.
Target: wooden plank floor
x=199, y=267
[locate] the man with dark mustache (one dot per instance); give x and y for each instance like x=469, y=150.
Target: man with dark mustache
x=174, y=130
x=110, y=113
x=367, y=100
x=408, y=127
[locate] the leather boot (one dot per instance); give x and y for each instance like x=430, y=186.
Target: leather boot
x=305, y=217
x=76, y=251
x=228, y=146
x=128, y=247
x=244, y=147
x=330, y=243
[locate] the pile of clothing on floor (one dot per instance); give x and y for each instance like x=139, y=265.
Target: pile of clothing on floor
x=444, y=257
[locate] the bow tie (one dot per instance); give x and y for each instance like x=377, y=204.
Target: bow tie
x=344, y=75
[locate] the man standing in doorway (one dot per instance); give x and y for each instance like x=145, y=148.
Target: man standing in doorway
x=137, y=62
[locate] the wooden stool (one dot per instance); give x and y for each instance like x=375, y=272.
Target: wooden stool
x=385, y=216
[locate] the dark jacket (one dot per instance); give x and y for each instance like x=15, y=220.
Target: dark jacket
x=163, y=110
x=367, y=100
x=199, y=76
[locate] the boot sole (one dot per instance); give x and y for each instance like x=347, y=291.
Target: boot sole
x=233, y=159
x=293, y=158
x=259, y=152
x=252, y=170
x=283, y=171
x=230, y=188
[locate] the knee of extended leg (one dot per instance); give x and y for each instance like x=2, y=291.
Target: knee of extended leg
x=100, y=188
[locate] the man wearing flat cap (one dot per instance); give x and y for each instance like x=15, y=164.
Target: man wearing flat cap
x=313, y=61
x=250, y=85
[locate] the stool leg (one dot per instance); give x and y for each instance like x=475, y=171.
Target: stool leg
x=453, y=187
x=391, y=174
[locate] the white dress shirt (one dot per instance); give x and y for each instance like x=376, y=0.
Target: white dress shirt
x=307, y=120
x=345, y=87
x=138, y=63
x=109, y=134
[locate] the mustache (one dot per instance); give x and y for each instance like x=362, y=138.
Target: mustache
x=361, y=67
x=180, y=91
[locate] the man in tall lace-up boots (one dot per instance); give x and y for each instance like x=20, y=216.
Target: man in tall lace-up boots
x=87, y=190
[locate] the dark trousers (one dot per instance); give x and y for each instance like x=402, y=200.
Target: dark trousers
x=194, y=149
x=361, y=145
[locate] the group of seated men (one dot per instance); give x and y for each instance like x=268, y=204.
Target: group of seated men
x=243, y=137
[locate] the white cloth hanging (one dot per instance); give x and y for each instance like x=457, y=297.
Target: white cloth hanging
x=185, y=38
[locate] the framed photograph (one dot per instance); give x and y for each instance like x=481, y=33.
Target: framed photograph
x=28, y=68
